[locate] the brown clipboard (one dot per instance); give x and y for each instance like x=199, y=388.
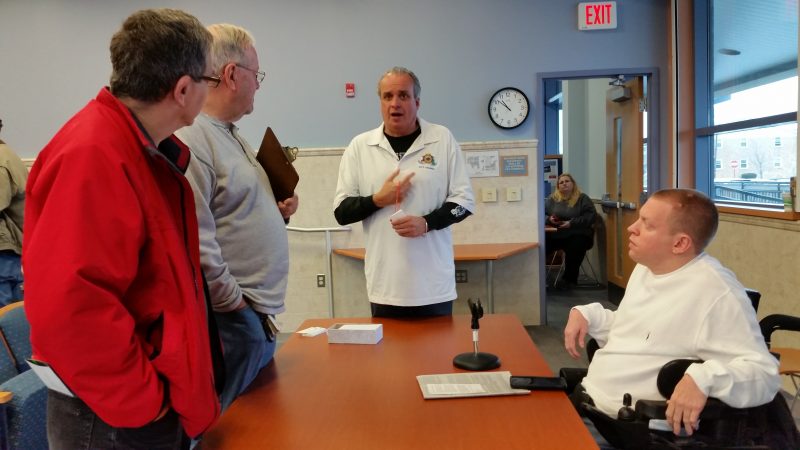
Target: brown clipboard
x=282, y=176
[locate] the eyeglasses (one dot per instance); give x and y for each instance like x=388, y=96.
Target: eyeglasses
x=259, y=74
x=212, y=81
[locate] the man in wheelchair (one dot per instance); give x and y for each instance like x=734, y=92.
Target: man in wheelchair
x=680, y=303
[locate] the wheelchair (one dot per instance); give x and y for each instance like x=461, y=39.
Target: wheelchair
x=768, y=426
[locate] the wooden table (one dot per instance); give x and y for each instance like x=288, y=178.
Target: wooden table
x=468, y=252
x=317, y=395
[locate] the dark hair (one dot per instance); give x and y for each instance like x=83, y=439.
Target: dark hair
x=695, y=214
x=153, y=50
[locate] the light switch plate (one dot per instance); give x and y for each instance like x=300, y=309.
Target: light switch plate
x=489, y=195
x=513, y=194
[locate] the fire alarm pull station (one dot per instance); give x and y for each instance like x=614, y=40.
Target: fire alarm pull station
x=350, y=89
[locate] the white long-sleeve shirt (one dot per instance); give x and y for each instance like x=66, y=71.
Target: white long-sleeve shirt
x=699, y=311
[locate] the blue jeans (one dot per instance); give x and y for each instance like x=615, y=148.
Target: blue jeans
x=246, y=351
x=72, y=425
x=10, y=278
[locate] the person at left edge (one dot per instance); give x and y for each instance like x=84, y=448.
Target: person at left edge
x=114, y=291
x=12, y=206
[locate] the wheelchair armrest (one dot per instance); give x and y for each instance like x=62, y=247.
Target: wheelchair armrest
x=669, y=376
x=671, y=373
x=573, y=376
x=714, y=410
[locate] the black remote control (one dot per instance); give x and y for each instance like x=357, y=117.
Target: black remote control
x=539, y=383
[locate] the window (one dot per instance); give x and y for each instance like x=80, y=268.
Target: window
x=746, y=88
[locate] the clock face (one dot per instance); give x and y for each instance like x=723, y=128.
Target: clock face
x=508, y=108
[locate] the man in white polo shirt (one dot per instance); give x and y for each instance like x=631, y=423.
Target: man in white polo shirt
x=406, y=180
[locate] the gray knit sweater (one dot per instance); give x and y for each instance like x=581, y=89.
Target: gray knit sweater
x=244, y=248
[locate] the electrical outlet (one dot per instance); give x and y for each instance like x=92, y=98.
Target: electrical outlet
x=320, y=280
x=461, y=276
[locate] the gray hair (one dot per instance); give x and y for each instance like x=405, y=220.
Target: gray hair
x=153, y=50
x=229, y=45
x=397, y=70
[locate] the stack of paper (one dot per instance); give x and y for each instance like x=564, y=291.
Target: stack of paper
x=468, y=384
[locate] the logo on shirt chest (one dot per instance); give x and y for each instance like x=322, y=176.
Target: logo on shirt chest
x=427, y=161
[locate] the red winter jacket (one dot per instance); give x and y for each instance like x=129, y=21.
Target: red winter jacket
x=113, y=289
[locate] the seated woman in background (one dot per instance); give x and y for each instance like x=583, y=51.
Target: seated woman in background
x=572, y=214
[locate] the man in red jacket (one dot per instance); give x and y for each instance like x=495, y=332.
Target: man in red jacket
x=114, y=292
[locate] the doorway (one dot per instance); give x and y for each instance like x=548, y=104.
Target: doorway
x=573, y=124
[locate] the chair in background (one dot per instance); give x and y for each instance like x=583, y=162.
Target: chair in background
x=23, y=396
x=591, y=280
x=789, y=357
x=598, y=230
x=555, y=262
x=554, y=267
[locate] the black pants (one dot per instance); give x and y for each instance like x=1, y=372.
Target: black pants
x=435, y=309
x=71, y=424
x=574, y=246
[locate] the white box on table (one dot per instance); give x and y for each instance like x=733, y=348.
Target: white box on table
x=355, y=333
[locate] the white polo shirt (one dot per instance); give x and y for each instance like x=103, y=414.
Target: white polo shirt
x=407, y=271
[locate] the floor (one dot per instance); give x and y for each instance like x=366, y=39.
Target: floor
x=549, y=339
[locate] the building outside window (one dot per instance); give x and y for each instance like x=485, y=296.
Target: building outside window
x=747, y=100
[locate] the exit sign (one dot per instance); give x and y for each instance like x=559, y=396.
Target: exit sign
x=597, y=15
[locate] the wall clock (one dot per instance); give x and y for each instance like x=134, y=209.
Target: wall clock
x=508, y=108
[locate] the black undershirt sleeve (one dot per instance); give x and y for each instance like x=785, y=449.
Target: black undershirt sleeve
x=446, y=215
x=354, y=209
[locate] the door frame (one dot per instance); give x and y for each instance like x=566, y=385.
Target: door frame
x=654, y=150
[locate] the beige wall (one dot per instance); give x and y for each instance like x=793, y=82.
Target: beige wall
x=764, y=253
x=516, y=283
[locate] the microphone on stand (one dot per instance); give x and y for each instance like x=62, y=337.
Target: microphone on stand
x=476, y=360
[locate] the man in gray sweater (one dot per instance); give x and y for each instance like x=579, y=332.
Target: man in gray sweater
x=244, y=249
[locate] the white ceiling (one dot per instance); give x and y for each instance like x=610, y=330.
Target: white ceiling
x=764, y=31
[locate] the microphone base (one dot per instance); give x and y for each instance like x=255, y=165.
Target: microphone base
x=476, y=361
